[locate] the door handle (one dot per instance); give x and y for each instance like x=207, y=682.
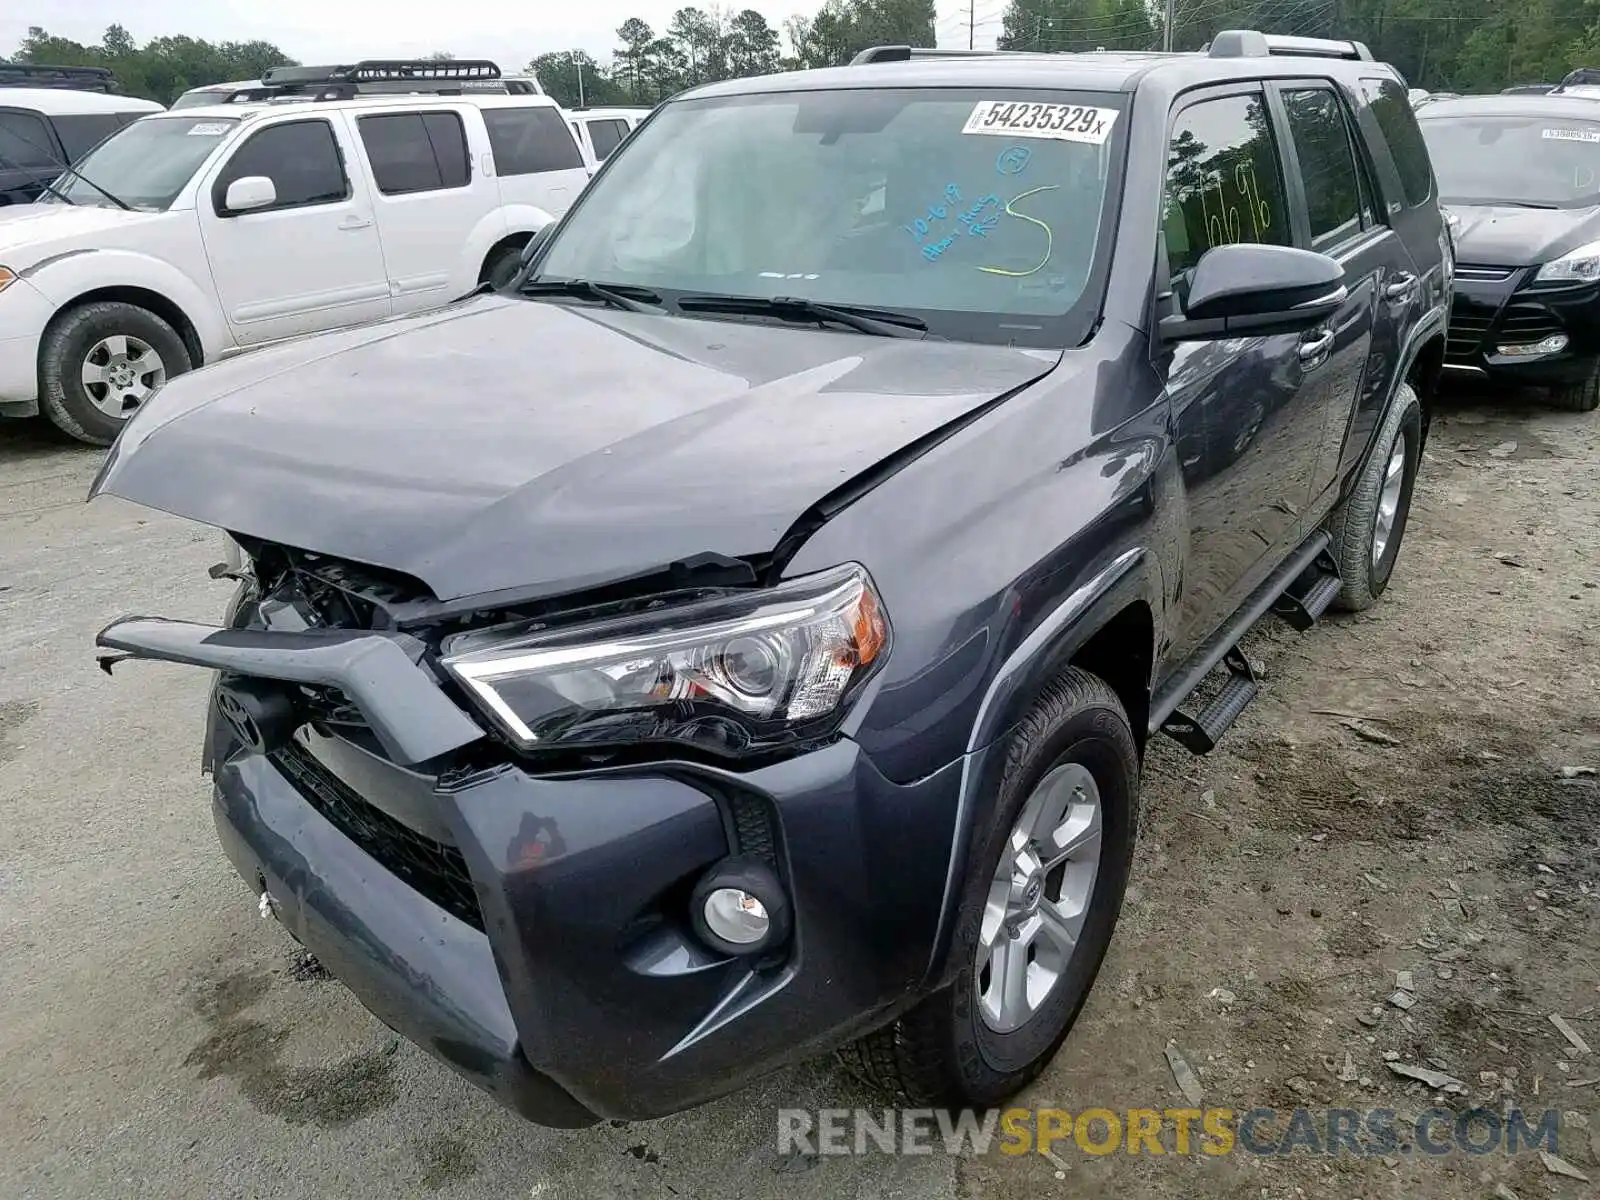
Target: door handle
x=1313, y=351
x=353, y=223
x=1401, y=288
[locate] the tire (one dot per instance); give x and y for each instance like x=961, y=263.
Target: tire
x=947, y=1051
x=85, y=337
x=502, y=266
x=1355, y=523
x=1578, y=397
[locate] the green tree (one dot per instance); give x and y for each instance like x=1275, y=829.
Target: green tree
x=559, y=74
x=630, y=61
x=751, y=44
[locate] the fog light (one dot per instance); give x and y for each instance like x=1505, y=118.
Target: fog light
x=739, y=908
x=1554, y=344
x=734, y=915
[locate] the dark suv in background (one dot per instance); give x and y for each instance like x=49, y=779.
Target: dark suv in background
x=761, y=658
x=52, y=116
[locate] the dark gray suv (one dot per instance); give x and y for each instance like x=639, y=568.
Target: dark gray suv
x=738, y=637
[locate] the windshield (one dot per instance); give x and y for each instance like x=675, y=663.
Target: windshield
x=1547, y=162
x=979, y=212
x=146, y=164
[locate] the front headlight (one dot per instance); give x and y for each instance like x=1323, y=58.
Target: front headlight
x=1576, y=266
x=7, y=278
x=731, y=675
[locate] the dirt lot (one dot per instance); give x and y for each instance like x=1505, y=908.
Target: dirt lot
x=158, y=1039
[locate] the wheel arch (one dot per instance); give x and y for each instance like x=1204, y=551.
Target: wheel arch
x=1090, y=628
x=512, y=241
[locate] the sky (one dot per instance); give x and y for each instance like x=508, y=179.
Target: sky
x=508, y=31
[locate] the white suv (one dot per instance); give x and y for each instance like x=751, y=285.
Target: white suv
x=193, y=235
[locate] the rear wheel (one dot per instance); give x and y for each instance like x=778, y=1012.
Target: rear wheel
x=99, y=363
x=1041, y=898
x=1370, y=522
x=1578, y=397
x=501, y=266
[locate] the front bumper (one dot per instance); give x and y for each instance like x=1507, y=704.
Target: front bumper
x=24, y=313
x=1495, y=307
x=531, y=932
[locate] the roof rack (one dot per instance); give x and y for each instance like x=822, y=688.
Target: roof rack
x=375, y=77
x=882, y=54
x=41, y=75
x=1248, y=43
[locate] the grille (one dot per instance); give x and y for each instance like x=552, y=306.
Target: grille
x=1481, y=274
x=1469, y=325
x=1527, y=323
x=436, y=870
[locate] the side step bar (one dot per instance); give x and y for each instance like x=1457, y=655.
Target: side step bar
x=1299, y=591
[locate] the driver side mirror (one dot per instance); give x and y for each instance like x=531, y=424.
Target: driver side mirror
x=250, y=193
x=1251, y=290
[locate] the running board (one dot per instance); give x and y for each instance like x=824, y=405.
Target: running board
x=1300, y=590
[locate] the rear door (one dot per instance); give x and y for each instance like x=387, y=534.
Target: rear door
x=1332, y=200
x=427, y=200
x=535, y=156
x=310, y=261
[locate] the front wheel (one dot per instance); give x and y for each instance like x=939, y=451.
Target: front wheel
x=1578, y=397
x=1370, y=522
x=1041, y=898
x=99, y=363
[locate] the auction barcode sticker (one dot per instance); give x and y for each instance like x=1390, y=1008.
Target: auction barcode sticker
x=1062, y=122
x=1573, y=135
x=210, y=128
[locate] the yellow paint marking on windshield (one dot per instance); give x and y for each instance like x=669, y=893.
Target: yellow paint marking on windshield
x=1050, y=237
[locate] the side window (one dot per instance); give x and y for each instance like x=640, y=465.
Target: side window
x=606, y=136
x=1224, y=181
x=415, y=152
x=25, y=142
x=529, y=140
x=1392, y=110
x=82, y=133
x=300, y=157
x=1327, y=164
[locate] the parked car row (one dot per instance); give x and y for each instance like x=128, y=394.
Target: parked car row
x=312, y=199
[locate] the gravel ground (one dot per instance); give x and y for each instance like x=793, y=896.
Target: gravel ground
x=1395, y=801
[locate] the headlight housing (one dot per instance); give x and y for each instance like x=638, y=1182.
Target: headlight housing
x=733, y=675
x=1576, y=266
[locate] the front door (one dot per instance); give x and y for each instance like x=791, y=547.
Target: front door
x=309, y=261
x=1248, y=429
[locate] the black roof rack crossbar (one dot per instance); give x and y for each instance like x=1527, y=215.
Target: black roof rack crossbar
x=375, y=77
x=44, y=75
x=1248, y=43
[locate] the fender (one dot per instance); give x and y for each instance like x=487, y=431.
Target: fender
x=1133, y=575
x=64, y=278
x=494, y=228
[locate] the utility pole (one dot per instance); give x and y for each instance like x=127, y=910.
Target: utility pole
x=1167, y=24
x=972, y=25
x=580, y=82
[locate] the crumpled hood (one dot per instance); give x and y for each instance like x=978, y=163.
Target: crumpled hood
x=506, y=444
x=1505, y=236
x=29, y=232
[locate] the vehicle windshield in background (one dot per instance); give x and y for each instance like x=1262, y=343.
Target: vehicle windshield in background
x=978, y=212
x=146, y=164
x=1546, y=162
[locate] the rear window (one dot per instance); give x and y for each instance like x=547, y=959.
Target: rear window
x=415, y=152
x=1391, y=108
x=82, y=133
x=607, y=135
x=529, y=140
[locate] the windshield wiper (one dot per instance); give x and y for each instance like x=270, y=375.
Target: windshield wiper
x=117, y=200
x=878, y=323
x=617, y=295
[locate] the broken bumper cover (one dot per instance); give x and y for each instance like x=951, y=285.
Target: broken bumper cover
x=560, y=974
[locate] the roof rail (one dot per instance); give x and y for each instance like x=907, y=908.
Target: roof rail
x=1581, y=77
x=882, y=54
x=1248, y=43
x=42, y=75
x=375, y=77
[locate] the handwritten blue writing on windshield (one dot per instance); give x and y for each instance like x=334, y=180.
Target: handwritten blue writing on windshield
x=1013, y=161
x=922, y=226
x=933, y=250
